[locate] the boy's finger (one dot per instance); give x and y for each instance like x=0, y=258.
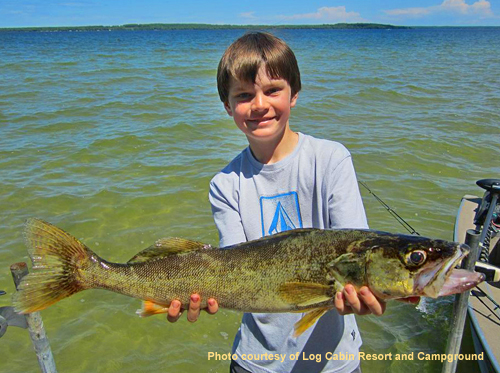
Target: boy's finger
x=212, y=306
x=194, y=308
x=340, y=305
x=352, y=297
x=376, y=306
x=174, y=311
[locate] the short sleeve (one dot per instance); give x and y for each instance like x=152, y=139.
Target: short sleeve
x=223, y=199
x=345, y=205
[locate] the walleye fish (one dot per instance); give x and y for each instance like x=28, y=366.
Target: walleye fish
x=298, y=270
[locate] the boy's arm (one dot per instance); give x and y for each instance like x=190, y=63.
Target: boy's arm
x=226, y=214
x=346, y=210
x=345, y=205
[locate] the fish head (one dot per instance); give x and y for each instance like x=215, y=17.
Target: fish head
x=400, y=266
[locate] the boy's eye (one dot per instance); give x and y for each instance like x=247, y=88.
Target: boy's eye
x=273, y=90
x=242, y=96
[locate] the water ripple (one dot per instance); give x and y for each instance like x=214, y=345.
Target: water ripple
x=115, y=137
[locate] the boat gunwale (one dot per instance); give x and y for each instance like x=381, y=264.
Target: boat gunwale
x=459, y=236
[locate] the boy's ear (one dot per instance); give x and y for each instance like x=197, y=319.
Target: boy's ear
x=228, y=109
x=293, y=100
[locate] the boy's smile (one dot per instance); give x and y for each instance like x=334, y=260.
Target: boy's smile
x=261, y=109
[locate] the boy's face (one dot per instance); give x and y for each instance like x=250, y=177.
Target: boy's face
x=261, y=109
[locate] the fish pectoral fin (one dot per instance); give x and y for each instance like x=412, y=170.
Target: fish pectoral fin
x=347, y=268
x=346, y=260
x=305, y=293
x=150, y=308
x=308, y=320
x=168, y=246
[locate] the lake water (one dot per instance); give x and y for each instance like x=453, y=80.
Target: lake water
x=114, y=136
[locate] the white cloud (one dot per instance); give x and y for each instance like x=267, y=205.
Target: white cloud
x=248, y=15
x=16, y=12
x=328, y=14
x=412, y=12
x=480, y=8
x=459, y=6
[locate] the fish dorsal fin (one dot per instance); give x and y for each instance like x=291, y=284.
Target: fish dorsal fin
x=167, y=246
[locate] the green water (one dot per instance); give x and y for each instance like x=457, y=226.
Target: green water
x=115, y=136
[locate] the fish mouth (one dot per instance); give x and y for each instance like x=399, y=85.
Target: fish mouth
x=444, y=279
x=460, y=280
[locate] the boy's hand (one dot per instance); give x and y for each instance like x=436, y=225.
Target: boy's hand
x=362, y=303
x=174, y=311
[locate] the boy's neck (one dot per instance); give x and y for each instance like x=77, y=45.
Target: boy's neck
x=276, y=149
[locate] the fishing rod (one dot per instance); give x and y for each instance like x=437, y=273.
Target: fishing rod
x=394, y=214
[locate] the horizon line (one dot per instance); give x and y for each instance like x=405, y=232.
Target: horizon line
x=226, y=25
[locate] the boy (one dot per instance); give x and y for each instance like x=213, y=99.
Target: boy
x=283, y=180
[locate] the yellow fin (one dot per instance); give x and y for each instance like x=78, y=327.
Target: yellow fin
x=57, y=258
x=305, y=293
x=167, y=246
x=151, y=308
x=308, y=320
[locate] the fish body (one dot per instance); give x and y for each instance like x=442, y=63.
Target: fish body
x=299, y=270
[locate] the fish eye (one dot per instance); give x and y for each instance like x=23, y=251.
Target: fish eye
x=417, y=257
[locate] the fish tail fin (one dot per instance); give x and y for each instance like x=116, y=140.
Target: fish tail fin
x=57, y=258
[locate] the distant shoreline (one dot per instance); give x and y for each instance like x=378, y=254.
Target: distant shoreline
x=202, y=26
x=207, y=26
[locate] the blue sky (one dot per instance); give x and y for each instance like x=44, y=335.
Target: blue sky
x=22, y=13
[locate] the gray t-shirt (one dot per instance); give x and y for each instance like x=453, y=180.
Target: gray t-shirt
x=313, y=187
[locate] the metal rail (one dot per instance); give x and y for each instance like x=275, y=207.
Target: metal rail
x=460, y=306
x=35, y=326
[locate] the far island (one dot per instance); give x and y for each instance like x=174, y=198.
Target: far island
x=201, y=26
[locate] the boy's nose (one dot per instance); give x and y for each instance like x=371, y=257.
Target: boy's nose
x=259, y=102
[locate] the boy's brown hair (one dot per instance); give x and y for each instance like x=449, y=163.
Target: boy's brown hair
x=243, y=58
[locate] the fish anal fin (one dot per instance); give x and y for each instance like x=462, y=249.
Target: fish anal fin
x=308, y=320
x=305, y=294
x=168, y=246
x=150, y=308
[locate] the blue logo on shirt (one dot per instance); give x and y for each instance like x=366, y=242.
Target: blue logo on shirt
x=280, y=213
